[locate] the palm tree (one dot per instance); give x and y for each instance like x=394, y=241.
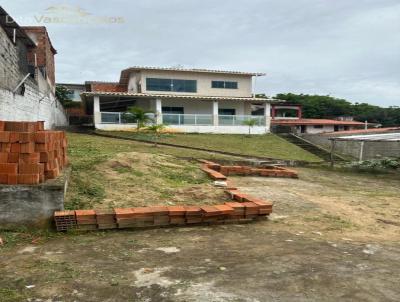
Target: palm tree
x=250, y=122
x=140, y=115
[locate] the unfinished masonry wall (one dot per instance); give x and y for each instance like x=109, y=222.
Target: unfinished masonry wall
x=37, y=102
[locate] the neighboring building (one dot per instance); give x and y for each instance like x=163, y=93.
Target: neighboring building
x=27, y=90
x=74, y=91
x=185, y=100
x=288, y=118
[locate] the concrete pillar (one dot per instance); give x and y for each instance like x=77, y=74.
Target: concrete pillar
x=159, y=117
x=215, y=113
x=96, y=110
x=267, y=116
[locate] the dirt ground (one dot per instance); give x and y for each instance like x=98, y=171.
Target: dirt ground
x=134, y=179
x=325, y=242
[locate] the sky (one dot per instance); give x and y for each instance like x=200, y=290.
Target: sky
x=344, y=48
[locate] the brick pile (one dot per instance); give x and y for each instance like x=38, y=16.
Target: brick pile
x=241, y=207
x=29, y=154
x=219, y=172
x=157, y=216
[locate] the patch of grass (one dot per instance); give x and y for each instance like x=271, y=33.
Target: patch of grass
x=268, y=145
x=336, y=222
x=11, y=295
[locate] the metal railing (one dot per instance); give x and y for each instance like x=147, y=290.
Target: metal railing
x=187, y=119
x=238, y=120
x=120, y=118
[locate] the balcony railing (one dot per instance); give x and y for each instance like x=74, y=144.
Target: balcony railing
x=238, y=120
x=120, y=118
x=184, y=119
x=188, y=119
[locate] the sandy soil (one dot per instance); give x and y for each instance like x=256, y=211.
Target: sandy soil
x=324, y=242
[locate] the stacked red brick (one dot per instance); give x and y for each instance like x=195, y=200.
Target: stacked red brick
x=156, y=216
x=29, y=154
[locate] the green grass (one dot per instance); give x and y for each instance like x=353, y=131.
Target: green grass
x=269, y=145
x=87, y=185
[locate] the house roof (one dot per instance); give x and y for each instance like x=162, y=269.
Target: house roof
x=309, y=121
x=125, y=73
x=385, y=137
x=172, y=96
x=366, y=131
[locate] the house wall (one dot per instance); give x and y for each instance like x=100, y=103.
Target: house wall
x=206, y=107
x=203, y=82
x=34, y=105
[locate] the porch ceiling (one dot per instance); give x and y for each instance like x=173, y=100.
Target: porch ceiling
x=175, y=96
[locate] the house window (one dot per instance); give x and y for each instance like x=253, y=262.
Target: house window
x=227, y=111
x=173, y=110
x=175, y=85
x=318, y=126
x=224, y=84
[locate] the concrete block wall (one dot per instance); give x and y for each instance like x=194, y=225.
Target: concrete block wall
x=34, y=105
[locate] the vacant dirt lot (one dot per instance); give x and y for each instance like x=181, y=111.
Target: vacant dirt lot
x=325, y=242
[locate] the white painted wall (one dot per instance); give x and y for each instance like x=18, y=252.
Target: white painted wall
x=33, y=106
x=190, y=129
x=203, y=82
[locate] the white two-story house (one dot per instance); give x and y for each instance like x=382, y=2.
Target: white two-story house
x=185, y=100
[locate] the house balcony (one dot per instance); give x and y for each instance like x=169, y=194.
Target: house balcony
x=202, y=123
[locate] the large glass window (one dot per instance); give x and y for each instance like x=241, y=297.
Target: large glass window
x=225, y=111
x=175, y=85
x=224, y=84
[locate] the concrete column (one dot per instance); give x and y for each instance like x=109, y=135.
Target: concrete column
x=159, y=118
x=96, y=110
x=215, y=113
x=267, y=116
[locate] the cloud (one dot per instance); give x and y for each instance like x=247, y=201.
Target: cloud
x=348, y=49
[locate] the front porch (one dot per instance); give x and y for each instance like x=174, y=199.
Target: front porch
x=185, y=115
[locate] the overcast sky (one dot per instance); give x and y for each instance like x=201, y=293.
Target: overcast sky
x=344, y=48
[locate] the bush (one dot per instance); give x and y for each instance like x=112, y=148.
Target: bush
x=377, y=164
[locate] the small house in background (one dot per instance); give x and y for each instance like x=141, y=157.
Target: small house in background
x=287, y=118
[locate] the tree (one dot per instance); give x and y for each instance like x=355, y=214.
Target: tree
x=139, y=115
x=62, y=94
x=251, y=123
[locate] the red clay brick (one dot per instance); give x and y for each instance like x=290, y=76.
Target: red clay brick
x=42, y=137
x=13, y=157
x=3, y=157
x=176, y=211
x=12, y=179
x=85, y=213
x=5, y=147
x=3, y=178
x=2, y=125
x=27, y=148
x=193, y=211
x=29, y=158
x=31, y=168
x=4, y=137
x=159, y=210
x=26, y=137
x=51, y=174
x=237, y=206
x=123, y=212
x=28, y=179
x=39, y=147
x=15, y=148
x=8, y=168
x=46, y=156
x=210, y=211
x=225, y=209
x=14, y=137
